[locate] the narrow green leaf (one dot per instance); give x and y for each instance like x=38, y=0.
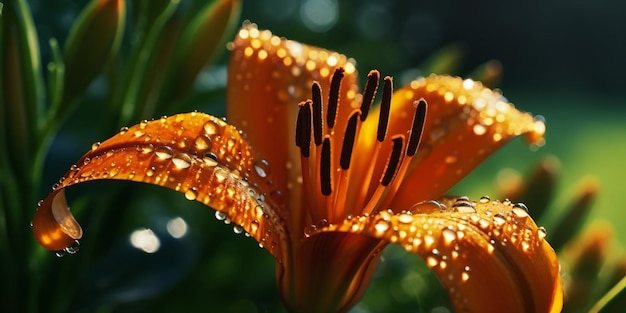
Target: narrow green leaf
x=143, y=69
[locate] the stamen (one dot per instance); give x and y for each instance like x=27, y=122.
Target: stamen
x=417, y=128
x=325, y=180
x=333, y=97
x=317, y=113
x=385, y=105
x=348, y=142
x=371, y=86
x=394, y=160
x=303, y=129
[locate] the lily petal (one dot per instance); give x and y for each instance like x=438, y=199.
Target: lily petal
x=196, y=154
x=465, y=123
x=489, y=255
x=268, y=77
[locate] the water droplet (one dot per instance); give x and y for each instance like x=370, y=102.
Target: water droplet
x=499, y=219
x=191, y=194
x=254, y=226
x=220, y=216
x=431, y=261
x=73, y=248
x=519, y=212
x=60, y=253
x=203, y=142
x=483, y=223
x=479, y=129
x=382, y=226
x=163, y=152
x=95, y=145
x=405, y=218
x=182, y=160
x=86, y=161
x=309, y=230
x=277, y=196
x=237, y=229
x=464, y=276
x=123, y=130
x=485, y=199
x=143, y=124
x=210, y=128
x=542, y=232
x=448, y=235
x=150, y=171
x=262, y=168
x=521, y=206
x=464, y=205
x=210, y=159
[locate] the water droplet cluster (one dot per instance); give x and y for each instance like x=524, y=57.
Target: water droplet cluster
x=195, y=154
x=291, y=61
x=456, y=238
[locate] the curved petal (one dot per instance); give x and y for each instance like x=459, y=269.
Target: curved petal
x=465, y=123
x=490, y=256
x=268, y=77
x=196, y=154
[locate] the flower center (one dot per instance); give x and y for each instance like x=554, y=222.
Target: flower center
x=335, y=185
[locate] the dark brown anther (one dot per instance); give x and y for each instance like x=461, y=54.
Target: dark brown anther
x=348, y=142
x=303, y=129
x=394, y=161
x=317, y=113
x=371, y=86
x=417, y=127
x=385, y=105
x=325, y=168
x=333, y=97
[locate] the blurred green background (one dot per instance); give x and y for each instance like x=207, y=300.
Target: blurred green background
x=564, y=60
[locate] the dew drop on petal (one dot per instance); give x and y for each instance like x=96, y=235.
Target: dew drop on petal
x=262, y=168
x=210, y=159
x=191, y=194
x=220, y=216
x=210, y=128
x=309, y=230
x=382, y=226
x=73, y=248
x=519, y=213
x=163, y=152
x=541, y=232
x=405, y=218
x=448, y=235
x=95, y=145
x=203, y=142
x=479, y=129
x=182, y=161
x=237, y=229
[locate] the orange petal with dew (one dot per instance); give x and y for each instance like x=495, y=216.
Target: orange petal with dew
x=465, y=123
x=490, y=256
x=196, y=154
x=268, y=77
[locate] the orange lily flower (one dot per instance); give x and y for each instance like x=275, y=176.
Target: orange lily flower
x=356, y=179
